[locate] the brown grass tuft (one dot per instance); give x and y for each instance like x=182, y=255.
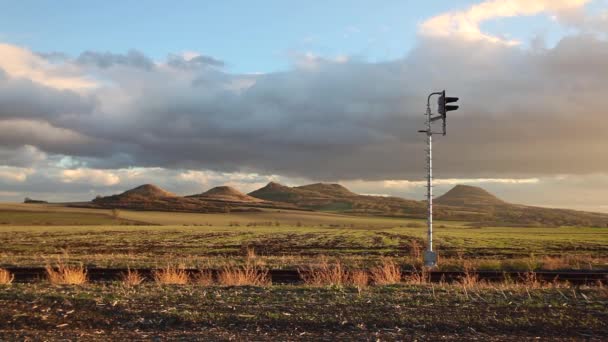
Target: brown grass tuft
x=418, y=277
x=470, y=278
x=359, y=278
x=171, y=275
x=245, y=275
x=250, y=253
x=386, y=273
x=6, y=277
x=530, y=280
x=325, y=274
x=203, y=278
x=132, y=278
x=63, y=274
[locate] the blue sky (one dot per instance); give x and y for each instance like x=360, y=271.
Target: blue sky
x=250, y=36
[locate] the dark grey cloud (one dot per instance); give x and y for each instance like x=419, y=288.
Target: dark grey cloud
x=54, y=56
x=132, y=58
x=178, y=61
x=524, y=113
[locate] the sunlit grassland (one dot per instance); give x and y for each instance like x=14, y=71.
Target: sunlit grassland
x=286, y=245
x=280, y=238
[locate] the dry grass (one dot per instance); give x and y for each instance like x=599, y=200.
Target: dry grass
x=250, y=253
x=325, y=274
x=415, y=250
x=245, y=275
x=388, y=272
x=530, y=280
x=132, y=278
x=470, y=278
x=63, y=274
x=418, y=277
x=203, y=278
x=359, y=278
x=6, y=277
x=171, y=275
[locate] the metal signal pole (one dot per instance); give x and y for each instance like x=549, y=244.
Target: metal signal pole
x=430, y=257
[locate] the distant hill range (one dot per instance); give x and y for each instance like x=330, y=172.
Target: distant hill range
x=462, y=203
x=150, y=197
x=227, y=193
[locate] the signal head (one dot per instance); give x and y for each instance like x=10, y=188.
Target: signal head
x=442, y=104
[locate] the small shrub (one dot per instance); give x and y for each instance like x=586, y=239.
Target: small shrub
x=386, y=273
x=6, y=277
x=63, y=274
x=171, y=275
x=115, y=213
x=132, y=278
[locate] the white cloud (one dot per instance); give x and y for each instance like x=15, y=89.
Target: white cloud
x=90, y=176
x=455, y=181
x=466, y=24
x=18, y=62
x=15, y=174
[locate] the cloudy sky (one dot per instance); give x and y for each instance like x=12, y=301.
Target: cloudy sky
x=95, y=99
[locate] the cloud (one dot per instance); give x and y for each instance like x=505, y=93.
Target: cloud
x=190, y=60
x=21, y=63
x=187, y=123
x=14, y=174
x=90, y=177
x=132, y=58
x=466, y=24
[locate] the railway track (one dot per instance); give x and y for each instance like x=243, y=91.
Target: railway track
x=35, y=274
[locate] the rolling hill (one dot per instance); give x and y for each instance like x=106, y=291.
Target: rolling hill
x=228, y=194
x=461, y=203
x=151, y=197
x=468, y=196
x=337, y=198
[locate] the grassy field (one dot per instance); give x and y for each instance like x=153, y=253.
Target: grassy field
x=400, y=312
x=38, y=235
x=283, y=239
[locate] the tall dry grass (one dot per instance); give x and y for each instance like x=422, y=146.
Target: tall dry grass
x=470, y=278
x=387, y=273
x=418, y=277
x=359, y=279
x=249, y=274
x=132, y=278
x=203, y=278
x=63, y=274
x=325, y=274
x=6, y=277
x=171, y=275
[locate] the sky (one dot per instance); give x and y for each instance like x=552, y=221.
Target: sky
x=98, y=98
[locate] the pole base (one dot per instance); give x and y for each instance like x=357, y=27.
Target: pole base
x=430, y=259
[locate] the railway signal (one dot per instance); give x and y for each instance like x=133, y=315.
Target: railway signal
x=430, y=257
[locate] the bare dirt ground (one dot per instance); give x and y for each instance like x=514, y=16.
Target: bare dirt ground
x=289, y=313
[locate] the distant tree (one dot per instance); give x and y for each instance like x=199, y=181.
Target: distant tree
x=115, y=213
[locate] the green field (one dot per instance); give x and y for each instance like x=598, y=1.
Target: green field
x=282, y=239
